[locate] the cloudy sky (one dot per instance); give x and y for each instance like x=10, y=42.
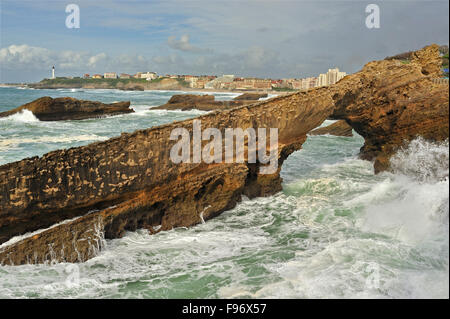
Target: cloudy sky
x=276, y=38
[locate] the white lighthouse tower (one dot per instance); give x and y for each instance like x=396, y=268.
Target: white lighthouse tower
x=53, y=72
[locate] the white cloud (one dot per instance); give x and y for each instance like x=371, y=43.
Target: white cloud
x=25, y=55
x=94, y=60
x=19, y=57
x=183, y=44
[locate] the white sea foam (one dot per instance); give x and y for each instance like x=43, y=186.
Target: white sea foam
x=423, y=160
x=24, y=116
x=417, y=209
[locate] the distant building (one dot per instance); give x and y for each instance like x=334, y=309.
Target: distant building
x=125, y=76
x=305, y=84
x=297, y=84
x=223, y=82
x=97, y=76
x=286, y=83
x=149, y=75
x=86, y=76
x=331, y=77
x=322, y=80
x=197, y=82
x=263, y=84
x=53, y=72
x=110, y=75
x=312, y=82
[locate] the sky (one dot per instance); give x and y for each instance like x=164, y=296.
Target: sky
x=267, y=39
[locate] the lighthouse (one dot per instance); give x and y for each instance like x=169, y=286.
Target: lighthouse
x=53, y=72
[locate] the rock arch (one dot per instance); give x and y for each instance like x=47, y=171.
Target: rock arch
x=128, y=182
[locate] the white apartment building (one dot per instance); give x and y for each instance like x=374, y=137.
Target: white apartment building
x=149, y=75
x=110, y=75
x=331, y=77
x=322, y=80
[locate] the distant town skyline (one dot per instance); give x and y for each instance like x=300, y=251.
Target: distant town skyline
x=265, y=39
x=227, y=82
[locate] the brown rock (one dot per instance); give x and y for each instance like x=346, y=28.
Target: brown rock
x=250, y=96
x=429, y=59
x=339, y=128
x=186, y=102
x=391, y=103
x=67, y=108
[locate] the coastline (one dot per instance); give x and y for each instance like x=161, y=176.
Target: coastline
x=185, y=89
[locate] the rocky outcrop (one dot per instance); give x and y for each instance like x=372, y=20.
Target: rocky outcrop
x=186, y=102
x=67, y=108
x=338, y=128
x=130, y=87
x=392, y=103
x=250, y=96
x=129, y=182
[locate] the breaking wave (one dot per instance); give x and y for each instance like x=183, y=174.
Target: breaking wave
x=24, y=116
x=423, y=160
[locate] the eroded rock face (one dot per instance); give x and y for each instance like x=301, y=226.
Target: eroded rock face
x=391, y=103
x=186, y=102
x=67, y=108
x=339, y=128
x=129, y=182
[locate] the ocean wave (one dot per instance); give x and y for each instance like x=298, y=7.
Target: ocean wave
x=24, y=116
x=423, y=160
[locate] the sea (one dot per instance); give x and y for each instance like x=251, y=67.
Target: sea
x=336, y=230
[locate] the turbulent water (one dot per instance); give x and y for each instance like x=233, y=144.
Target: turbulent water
x=335, y=231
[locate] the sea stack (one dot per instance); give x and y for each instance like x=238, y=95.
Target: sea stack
x=67, y=108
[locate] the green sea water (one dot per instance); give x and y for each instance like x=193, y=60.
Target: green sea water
x=336, y=230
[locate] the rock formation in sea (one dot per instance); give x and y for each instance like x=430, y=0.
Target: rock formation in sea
x=338, y=128
x=187, y=102
x=391, y=103
x=129, y=182
x=67, y=108
x=250, y=96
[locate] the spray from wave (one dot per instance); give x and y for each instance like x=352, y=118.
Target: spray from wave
x=24, y=116
x=423, y=160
